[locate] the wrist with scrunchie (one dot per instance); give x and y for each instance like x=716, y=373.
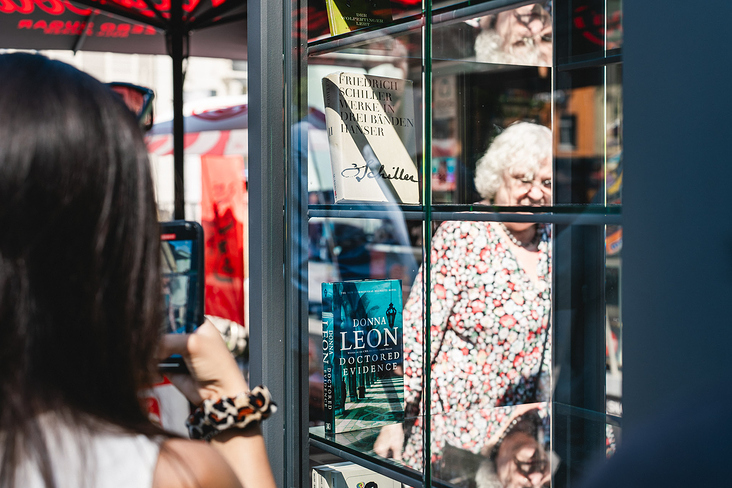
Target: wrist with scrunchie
x=245, y=409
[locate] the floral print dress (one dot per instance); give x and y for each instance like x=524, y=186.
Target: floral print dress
x=489, y=333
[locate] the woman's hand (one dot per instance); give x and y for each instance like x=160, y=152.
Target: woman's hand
x=390, y=442
x=213, y=370
x=213, y=374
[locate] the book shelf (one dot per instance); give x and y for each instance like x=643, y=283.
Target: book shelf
x=463, y=100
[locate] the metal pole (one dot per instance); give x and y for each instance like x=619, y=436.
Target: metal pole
x=175, y=49
x=267, y=327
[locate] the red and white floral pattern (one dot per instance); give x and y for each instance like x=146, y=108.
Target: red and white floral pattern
x=489, y=326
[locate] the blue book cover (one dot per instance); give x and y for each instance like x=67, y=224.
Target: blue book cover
x=363, y=382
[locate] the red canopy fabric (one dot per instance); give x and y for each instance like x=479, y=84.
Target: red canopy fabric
x=224, y=218
x=123, y=26
x=215, y=132
x=209, y=143
x=230, y=117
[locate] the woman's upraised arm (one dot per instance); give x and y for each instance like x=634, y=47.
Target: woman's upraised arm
x=214, y=374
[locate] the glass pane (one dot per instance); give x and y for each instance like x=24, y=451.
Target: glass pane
x=372, y=119
x=478, y=34
x=614, y=134
x=346, y=250
x=580, y=310
x=316, y=13
x=343, y=249
x=589, y=136
x=505, y=331
x=580, y=136
x=587, y=29
x=329, y=470
x=470, y=112
x=490, y=70
x=614, y=28
x=613, y=320
x=490, y=343
x=573, y=431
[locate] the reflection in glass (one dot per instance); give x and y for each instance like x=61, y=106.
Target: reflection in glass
x=614, y=134
x=589, y=140
x=489, y=317
x=489, y=284
x=614, y=24
x=588, y=29
x=613, y=320
x=520, y=36
x=579, y=114
x=490, y=303
x=469, y=111
x=520, y=455
x=579, y=433
x=354, y=249
x=517, y=170
x=490, y=339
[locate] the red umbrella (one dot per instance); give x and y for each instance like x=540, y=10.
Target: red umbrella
x=61, y=24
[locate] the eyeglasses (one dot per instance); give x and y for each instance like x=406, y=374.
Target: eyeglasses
x=527, y=468
x=536, y=14
x=138, y=99
x=526, y=182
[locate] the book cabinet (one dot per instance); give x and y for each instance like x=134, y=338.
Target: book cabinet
x=476, y=68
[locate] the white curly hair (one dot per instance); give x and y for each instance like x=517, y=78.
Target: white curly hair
x=522, y=146
x=490, y=47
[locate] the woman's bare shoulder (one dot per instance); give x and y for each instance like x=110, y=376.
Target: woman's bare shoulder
x=192, y=464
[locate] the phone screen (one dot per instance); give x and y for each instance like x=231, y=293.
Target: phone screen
x=180, y=282
x=181, y=245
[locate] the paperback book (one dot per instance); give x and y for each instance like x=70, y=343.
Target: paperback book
x=372, y=138
x=363, y=383
x=347, y=15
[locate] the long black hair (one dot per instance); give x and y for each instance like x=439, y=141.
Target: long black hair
x=80, y=289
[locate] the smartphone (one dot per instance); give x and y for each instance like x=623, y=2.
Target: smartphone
x=181, y=244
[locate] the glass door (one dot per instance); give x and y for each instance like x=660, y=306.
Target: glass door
x=465, y=157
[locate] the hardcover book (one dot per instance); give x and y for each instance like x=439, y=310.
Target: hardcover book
x=363, y=383
x=347, y=15
x=372, y=138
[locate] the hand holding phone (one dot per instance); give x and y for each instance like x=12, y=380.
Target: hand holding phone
x=213, y=370
x=181, y=244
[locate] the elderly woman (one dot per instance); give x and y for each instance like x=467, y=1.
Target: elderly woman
x=490, y=299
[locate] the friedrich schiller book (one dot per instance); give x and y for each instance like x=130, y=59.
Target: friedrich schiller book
x=371, y=137
x=363, y=386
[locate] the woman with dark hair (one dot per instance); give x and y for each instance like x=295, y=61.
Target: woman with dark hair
x=81, y=307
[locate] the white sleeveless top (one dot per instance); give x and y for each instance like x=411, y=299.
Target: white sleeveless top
x=80, y=459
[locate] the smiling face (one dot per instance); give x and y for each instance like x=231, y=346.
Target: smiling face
x=523, y=187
